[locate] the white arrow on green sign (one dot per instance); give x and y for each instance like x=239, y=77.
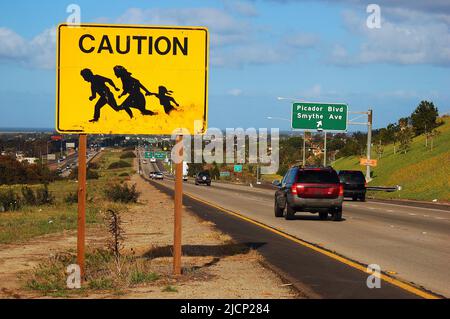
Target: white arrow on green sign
x=319, y=116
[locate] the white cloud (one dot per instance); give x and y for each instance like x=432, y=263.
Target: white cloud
x=224, y=28
x=302, y=40
x=241, y=7
x=234, y=92
x=12, y=45
x=414, y=39
x=316, y=92
x=38, y=52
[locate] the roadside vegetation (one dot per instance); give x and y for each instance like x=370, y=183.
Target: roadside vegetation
x=28, y=210
x=14, y=172
x=106, y=269
x=422, y=171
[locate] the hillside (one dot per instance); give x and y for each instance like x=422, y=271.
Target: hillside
x=422, y=173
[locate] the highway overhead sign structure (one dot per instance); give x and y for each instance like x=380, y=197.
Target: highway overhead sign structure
x=319, y=116
x=123, y=79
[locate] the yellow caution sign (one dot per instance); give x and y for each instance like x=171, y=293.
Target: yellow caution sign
x=122, y=79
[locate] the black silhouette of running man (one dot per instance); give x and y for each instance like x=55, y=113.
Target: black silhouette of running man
x=165, y=99
x=98, y=86
x=132, y=87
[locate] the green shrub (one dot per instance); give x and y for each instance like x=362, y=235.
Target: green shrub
x=71, y=198
x=28, y=196
x=90, y=174
x=119, y=164
x=93, y=165
x=140, y=277
x=43, y=196
x=127, y=155
x=9, y=200
x=124, y=174
x=122, y=193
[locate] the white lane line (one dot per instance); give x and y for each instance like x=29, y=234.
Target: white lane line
x=412, y=214
x=412, y=207
x=389, y=210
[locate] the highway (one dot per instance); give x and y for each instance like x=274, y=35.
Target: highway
x=408, y=243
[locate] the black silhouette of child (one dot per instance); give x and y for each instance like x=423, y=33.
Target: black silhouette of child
x=132, y=87
x=165, y=99
x=98, y=86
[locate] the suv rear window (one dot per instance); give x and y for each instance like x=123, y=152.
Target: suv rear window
x=352, y=177
x=203, y=174
x=317, y=176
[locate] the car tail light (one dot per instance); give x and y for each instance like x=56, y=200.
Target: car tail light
x=341, y=189
x=297, y=188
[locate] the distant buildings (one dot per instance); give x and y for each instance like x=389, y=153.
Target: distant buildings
x=21, y=158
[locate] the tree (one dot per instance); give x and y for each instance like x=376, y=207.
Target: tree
x=423, y=119
x=379, y=149
x=434, y=133
x=405, y=136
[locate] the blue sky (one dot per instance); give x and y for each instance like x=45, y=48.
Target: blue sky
x=261, y=49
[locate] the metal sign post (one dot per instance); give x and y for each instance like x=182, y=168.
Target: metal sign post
x=178, y=209
x=81, y=238
x=369, y=114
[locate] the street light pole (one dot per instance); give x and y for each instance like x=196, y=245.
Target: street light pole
x=369, y=143
x=304, y=148
x=325, y=149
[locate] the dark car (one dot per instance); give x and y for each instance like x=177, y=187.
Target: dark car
x=354, y=184
x=203, y=178
x=313, y=190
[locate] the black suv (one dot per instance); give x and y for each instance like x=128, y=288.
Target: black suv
x=203, y=178
x=314, y=190
x=354, y=184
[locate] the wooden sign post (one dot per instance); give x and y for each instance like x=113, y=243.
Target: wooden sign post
x=178, y=209
x=81, y=238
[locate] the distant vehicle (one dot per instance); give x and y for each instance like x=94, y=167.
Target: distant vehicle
x=68, y=167
x=158, y=175
x=354, y=184
x=153, y=160
x=185, y=171
x=60, y=160
x=144, y=162
x=203, y=178
x=151, y=175
x=313, y=190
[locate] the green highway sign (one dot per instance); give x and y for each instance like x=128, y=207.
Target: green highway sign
x=225, y=174
x=319, y=116
x=160, y=155
x=157, y=155
x=238, y=168
x=149, y=154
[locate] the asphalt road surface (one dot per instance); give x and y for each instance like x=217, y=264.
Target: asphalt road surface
x=408, y=243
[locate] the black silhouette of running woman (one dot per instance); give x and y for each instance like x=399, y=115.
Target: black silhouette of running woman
x=132, y=87
x=165, y=99
x=98, y=86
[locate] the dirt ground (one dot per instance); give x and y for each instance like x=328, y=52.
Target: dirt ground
x=214, y=267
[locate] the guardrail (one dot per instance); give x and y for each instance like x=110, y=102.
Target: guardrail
x=384, y=188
